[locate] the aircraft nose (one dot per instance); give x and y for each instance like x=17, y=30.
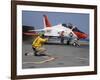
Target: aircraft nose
x=81, y=35
x=84, y=35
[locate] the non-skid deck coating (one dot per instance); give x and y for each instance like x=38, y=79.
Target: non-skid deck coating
x=66, y=56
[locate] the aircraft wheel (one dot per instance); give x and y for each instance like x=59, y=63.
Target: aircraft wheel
x=75, y=44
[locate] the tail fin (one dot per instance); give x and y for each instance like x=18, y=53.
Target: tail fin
x=46, y=21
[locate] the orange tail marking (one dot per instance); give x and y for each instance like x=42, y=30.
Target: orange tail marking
x=46, y=21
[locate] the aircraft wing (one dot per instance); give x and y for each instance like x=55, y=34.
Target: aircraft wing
x=44, y=29
x=37, y=30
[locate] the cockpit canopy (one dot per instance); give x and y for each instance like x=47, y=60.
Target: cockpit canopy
x=70, y=26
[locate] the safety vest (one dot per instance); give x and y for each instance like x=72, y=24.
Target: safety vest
x=38, y=42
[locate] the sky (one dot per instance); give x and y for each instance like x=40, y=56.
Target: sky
x=35, y=18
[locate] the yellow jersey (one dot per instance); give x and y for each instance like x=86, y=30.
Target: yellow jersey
x=38, y=42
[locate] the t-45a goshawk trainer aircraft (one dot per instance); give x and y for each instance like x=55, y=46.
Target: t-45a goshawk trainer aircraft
x=70, y=32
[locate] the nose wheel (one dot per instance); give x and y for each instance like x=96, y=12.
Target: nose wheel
x=75, y=44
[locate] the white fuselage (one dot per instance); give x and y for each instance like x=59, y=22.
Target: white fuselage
x=56, y=31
